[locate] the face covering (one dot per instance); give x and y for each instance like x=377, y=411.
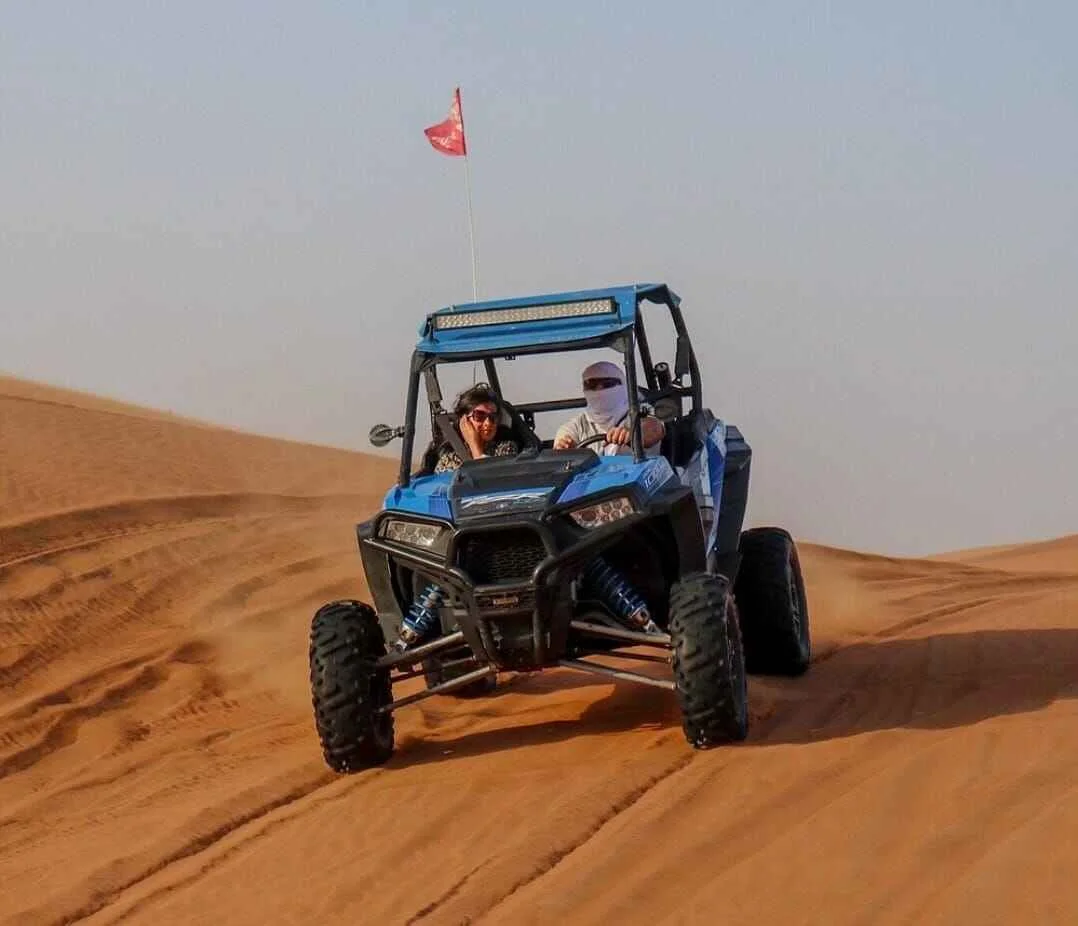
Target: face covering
x=606, y=407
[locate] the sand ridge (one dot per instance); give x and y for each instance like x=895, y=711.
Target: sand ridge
x=158, y=762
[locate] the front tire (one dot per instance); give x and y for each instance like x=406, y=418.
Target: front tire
x=347, y=687
x=708, y=661
x=770, y=593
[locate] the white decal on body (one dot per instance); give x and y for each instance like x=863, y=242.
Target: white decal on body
x=503, y=497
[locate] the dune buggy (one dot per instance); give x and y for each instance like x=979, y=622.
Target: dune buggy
x=561, y=558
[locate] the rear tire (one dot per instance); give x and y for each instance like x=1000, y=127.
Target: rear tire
x=770, y=593
x=347, y=688
x=708, y=662
x=435, y=674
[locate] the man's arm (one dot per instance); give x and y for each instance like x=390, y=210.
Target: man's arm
x=569, y=434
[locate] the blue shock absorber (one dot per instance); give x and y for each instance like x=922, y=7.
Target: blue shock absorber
x=615, y=591
x=421, y=618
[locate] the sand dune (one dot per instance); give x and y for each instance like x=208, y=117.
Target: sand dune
x=158, y=762
x=1059, y=556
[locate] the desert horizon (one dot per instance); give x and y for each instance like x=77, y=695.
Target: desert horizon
x=159, y=764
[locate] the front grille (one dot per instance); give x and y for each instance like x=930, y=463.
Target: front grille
x=501, y=556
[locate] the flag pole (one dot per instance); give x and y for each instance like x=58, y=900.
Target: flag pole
x=468, y=197
x=449, y=138
x=471, y=229
x=471, y=221
x=471, y=238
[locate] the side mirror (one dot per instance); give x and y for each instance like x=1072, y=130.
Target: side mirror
x=382, y=434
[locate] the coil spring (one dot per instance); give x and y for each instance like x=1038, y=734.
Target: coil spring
x=422, y=615
x=615, y=591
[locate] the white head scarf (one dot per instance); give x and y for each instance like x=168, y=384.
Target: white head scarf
x=606, y=407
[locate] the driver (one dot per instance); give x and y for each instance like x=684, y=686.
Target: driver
x=607, y=413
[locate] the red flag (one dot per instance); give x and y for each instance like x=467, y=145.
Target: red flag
x=448, y=136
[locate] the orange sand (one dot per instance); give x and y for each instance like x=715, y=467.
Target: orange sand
x=158, y=762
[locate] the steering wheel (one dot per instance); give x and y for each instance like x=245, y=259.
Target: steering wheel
x=588, y=441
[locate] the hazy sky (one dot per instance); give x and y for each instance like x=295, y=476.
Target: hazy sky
x=870, y=210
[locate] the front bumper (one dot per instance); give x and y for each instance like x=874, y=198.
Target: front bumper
x=520, y=625
x=518, y=617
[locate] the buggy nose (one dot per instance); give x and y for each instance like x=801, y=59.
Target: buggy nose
x=520, y=622
x=517, y=589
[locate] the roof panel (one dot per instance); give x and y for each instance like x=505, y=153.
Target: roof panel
x=448, y=331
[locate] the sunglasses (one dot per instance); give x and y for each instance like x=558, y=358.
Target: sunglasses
x=481, y=417
x=600, y=382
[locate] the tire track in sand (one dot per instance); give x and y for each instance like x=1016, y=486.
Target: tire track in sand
x=245, y=828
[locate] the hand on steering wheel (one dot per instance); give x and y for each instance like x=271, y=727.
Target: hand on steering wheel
x=601, y=439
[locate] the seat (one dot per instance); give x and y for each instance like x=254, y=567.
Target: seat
x=513, y=426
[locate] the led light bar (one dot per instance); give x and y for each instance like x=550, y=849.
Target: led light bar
x=524, y=313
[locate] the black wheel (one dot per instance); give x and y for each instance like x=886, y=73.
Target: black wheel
x=435, y=673
x=347, y=688
x=770, y=595
x=708, y=663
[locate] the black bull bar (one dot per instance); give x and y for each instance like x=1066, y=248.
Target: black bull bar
x=544, y=596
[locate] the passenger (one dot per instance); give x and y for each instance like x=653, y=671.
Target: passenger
x=478, y=411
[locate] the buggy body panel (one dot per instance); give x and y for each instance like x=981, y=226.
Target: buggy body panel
x=513, y=486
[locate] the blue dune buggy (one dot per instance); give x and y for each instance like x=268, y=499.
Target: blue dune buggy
x=558, y=558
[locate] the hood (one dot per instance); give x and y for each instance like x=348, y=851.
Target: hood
x=525, y=484
x=515, y=484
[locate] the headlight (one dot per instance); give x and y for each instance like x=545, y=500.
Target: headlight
x=605, y=512
x=416, y=534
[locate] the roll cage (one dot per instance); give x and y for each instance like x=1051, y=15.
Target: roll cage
x=501, y=330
